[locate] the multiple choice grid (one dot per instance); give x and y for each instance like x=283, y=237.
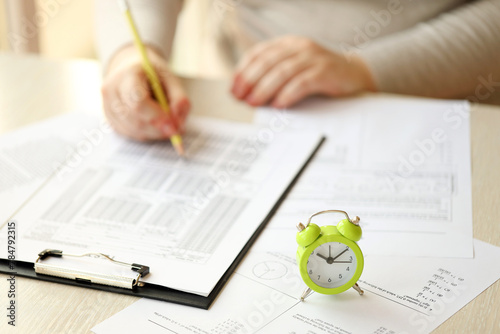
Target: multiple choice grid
x=152, y=180
x=117, y=210
x=213, y=223
x=189, y=184
x=27, y=161
x=167, y=215
x=76, y=196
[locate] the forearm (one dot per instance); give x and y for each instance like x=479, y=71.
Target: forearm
x=444, y=57
x=156, y=21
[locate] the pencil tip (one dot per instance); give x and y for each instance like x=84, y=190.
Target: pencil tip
x=176, y=141
x=180, y=149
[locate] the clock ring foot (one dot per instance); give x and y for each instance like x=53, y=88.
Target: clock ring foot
x=305, y=294
x=358, y=289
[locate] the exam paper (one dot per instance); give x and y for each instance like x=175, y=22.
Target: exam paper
x=402, y=295
x=402, y=165
x=185, y=218
x=27, y=157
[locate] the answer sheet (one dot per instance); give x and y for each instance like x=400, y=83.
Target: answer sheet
x=401, y=295
x=403, y=165
x=26, y=159
x=185, y=218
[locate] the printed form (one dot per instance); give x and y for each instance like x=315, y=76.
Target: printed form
x=27, y=157
x=404, y=168
x=402, y=165
x=186, y=218
x=402, y=295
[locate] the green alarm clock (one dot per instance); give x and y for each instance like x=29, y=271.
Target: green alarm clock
x=330, y=261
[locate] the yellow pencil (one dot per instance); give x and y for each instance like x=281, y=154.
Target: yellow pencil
x=151, y=74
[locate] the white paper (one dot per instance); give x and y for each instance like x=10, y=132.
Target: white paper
x=186, y=218
x=402, y=295
x=27, y=156
x=402, y=165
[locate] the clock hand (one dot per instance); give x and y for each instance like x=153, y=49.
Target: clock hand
x=331, y=260
x=321, y=256
x=345, y=250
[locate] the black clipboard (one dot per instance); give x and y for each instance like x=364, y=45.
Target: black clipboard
x=154, y=291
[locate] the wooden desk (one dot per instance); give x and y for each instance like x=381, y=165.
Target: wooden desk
x=32, y=89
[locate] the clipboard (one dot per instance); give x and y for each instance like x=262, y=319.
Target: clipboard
x=145, y=289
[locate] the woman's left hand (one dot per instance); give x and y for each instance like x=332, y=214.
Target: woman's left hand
x=285, y=70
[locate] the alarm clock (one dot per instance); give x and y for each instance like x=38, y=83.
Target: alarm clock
x=329, y=259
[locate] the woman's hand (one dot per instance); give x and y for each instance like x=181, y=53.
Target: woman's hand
x=128, y=101
x=285, y=70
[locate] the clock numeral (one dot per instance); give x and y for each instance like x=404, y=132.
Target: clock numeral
x=319, y=277
x=350, y=258
x=340, y=276
x=329, y=280
x=310, y=272
x=347, y=269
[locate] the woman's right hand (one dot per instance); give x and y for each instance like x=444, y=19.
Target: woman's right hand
x=128, y=101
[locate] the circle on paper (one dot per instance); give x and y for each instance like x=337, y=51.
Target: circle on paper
x=269, y=270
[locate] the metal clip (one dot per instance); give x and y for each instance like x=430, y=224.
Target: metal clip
x=87, y=277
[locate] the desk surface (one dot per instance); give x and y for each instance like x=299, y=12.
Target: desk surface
x=55, y=87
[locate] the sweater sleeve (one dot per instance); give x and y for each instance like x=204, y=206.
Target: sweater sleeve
x=446, y=57
x=155, y=19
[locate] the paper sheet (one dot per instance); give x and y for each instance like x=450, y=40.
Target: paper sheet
x=402, y=295
x=186, y=218
x=27, y=156
x=402, y=165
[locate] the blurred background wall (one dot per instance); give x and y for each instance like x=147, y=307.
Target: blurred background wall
x=63, y=29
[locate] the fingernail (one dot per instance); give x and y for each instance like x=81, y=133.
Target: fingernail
x=239, y=90
x=277, y=105
x=184, y=109
x=168, y=130
x=252, y=100
x=233, y=88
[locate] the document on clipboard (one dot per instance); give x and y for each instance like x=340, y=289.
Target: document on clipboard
x=114, y=210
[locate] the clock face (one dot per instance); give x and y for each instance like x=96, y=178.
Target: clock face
x=331, y=265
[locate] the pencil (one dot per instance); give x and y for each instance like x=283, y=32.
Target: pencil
x=151, y=74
